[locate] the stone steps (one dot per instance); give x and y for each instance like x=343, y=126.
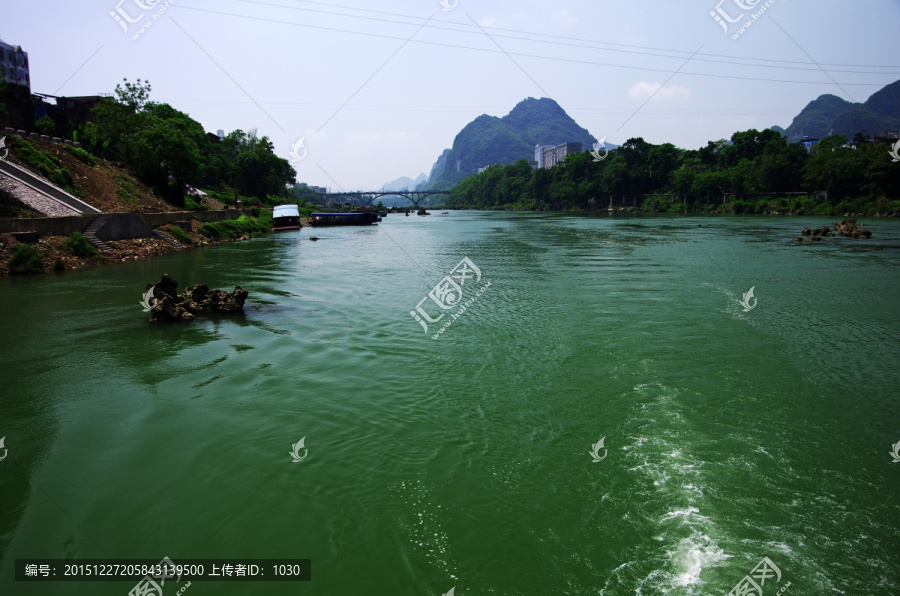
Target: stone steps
x=166, y=238
x=90, y=233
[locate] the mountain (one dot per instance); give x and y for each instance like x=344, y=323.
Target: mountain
x=405, y=183
x=489, y=140
x=830, y=114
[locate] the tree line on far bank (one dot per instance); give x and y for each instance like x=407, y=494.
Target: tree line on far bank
x=750, y=173
x=169, y=151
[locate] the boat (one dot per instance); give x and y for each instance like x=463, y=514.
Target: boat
x=344, y=219
x=286, y=217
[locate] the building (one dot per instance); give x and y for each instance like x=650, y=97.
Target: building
x=317, y=189
x=809, y=143
x=14, y=65
x=890, y=136
x=67, y=112
x=539, y=154
x=552, y=156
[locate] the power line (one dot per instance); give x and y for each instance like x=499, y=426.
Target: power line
x=632, y=48
x=556, y=59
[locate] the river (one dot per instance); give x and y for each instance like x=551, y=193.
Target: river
x=730, y=435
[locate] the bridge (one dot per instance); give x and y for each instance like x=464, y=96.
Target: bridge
x=364, y=197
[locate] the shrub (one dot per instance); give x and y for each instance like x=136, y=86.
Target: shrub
x=194, y=203
x=128, y=190
x=179, y=234
x=79, y=246
x=233, y=228
x=25, y=259
x=82, y=155
x=49, y=166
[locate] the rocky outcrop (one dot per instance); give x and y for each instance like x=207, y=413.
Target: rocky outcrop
x=849, y=228
x=823, y=231
x=195, y=300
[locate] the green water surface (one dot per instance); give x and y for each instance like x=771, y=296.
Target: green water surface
x=464, y=461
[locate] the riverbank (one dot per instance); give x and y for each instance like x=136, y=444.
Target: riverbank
x=781, y=206
x=56, y=253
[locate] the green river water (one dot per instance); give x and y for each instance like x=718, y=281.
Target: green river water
x=464, y=461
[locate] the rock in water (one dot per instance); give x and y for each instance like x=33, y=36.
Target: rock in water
x=195, y=300
x=824, y=231
x=849, y=228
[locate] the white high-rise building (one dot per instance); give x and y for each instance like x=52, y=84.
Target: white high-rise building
x=539, y=154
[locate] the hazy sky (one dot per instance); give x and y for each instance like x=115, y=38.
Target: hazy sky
x=413, y=74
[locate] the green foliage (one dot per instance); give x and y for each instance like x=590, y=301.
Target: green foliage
x=82, y=155
x=127, y=190
x=134, y=95
x=192, y=203
x=79, y=246
x=168, y=150
x=45, y=125
x=235, y=228
x=179, y=234
x=25, y=260
x=749, y=170
x=48, y=165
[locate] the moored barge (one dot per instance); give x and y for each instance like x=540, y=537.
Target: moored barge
x=286, y=217
x=344, y=219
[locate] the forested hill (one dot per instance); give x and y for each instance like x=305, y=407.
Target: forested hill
x=830, y=115
x=489, y=140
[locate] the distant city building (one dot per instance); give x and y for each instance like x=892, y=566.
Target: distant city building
x=809, y=143
x=14, y=65
x=221, y=134
x=890, y=136
x=480, y=170
x=318, y=189
x=539, y=154
x=552, y=156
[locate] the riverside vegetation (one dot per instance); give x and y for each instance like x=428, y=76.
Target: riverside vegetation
x=755, y=171
x=145, y=157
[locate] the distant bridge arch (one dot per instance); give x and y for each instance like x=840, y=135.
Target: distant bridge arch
x=363, y=197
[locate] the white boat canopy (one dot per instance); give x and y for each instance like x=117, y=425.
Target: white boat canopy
x=286, y=211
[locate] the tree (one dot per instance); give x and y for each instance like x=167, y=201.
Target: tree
x=134, y=95
x=836, y=169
